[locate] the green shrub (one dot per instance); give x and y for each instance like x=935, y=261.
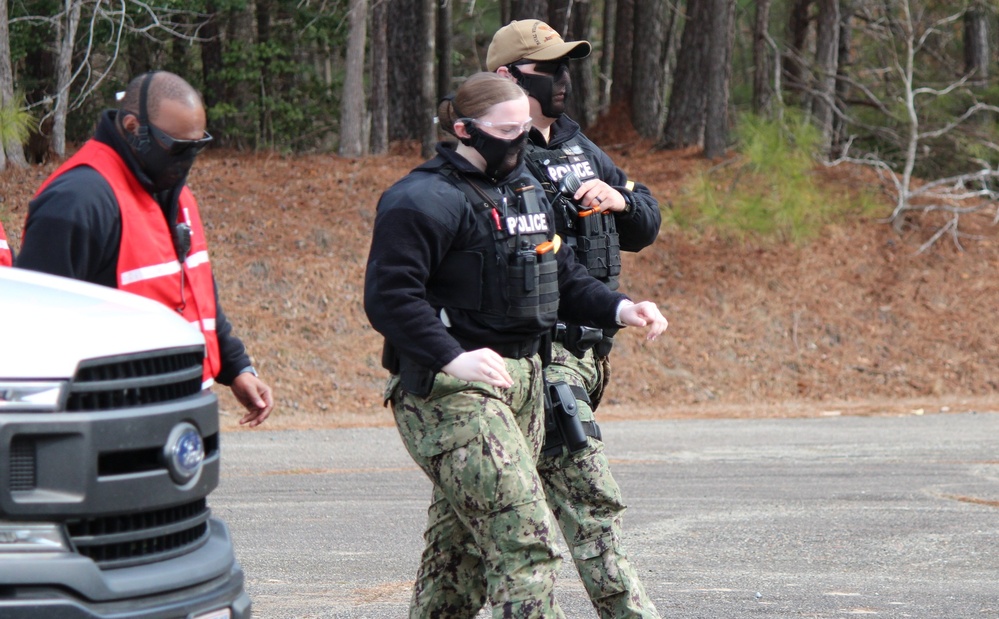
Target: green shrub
x=16, y=121
x=770, y=191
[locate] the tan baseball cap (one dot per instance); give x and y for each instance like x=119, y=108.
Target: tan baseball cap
x=530, y=39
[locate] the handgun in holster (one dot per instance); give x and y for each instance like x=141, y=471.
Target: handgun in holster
x=578, y=339
x=562, y=415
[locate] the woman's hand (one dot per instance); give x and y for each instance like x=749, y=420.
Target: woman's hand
x=482, y=365
x=643, y=314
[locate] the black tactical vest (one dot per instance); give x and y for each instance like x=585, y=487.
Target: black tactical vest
x=594, y=238
x=518, y=286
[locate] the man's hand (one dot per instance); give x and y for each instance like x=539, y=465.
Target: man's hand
x=597, y=195
x=255, y=396
x=643, y=314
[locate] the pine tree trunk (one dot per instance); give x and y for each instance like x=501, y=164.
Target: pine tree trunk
x=239, y=28
x=428, y=81
x=407, y=34
x=529, y=9
x=718, y=75
x=581, y=104
x=826, y=68
x=842, y=83
x=685, y=120
x=604, y=80
x=624, y=35
x=761, y=57
x=560, y=14
x=211, y=66
x=64, y=74
x=265, y=9
x=379, y=79
x=649, y=67
x=211, y=57
x=10, y=150
x=798, y=22
x=976, y=43
x=352, y=114
x=445, y=49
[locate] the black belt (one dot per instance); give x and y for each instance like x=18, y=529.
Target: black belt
x=510, y=350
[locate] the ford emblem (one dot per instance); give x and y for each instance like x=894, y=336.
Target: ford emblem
x=184, y=453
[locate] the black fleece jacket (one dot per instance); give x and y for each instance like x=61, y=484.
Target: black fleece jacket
x=638, y=227
x=74, y=230
x=421, y=219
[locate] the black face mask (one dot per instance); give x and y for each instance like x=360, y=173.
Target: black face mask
x=545, y=87
x=166, y=164
x=166, y=171
x=501, y=156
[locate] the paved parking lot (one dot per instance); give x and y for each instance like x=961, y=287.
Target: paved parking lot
x=826, y=517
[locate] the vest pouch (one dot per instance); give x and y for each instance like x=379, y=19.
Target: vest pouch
x=532, y=284
x=613, y=255
x=592, y=253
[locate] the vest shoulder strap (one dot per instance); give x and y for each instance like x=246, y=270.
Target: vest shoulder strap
x=476, y=195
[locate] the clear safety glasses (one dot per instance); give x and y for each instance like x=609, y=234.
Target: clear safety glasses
x=504, y=130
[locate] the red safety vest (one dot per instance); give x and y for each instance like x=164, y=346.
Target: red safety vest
x=147, y=260
x=6, y=259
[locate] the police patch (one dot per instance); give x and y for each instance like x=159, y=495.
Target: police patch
x=529, y=223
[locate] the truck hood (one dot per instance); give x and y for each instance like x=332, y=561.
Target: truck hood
x=49, y=324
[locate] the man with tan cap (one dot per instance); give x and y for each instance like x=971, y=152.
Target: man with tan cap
x=599, y=212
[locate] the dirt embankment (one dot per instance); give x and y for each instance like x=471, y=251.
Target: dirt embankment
x=854, y=322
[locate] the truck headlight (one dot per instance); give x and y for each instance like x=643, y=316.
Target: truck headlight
x=31, y=537
x=31, y=396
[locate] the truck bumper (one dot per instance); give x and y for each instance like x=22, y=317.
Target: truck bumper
x=72, y=587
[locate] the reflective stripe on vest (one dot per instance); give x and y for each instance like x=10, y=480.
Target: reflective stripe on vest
x=147, y=260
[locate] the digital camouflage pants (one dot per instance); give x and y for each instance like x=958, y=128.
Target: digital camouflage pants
x=588, y=506
x=490, y=537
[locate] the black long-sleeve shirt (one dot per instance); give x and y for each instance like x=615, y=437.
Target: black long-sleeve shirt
x=421, y=219
x=74, y=230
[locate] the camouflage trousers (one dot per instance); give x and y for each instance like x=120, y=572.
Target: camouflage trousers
x=588, y=506
x=490, y=537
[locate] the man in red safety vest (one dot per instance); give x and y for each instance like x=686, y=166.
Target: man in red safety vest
x=119, y=213
x=6, y=256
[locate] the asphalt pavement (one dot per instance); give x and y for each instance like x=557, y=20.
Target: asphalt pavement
x=728, y=519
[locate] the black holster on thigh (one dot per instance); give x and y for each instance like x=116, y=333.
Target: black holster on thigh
x=562, y=423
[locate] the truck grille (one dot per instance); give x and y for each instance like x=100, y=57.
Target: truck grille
x=23, y=465
x=133, y=539
x=136, y=380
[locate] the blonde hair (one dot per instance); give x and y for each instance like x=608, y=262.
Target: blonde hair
x=475, y=96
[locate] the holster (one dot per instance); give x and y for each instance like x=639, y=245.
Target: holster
x=562, y=418
x=414, y=378
x=578, y=339
x=604, y=346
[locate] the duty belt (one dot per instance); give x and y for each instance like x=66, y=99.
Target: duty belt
x=510, y=350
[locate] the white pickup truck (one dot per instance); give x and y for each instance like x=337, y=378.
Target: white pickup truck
x=109, y=449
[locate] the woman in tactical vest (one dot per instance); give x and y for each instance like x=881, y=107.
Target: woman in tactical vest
x=464, y=278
